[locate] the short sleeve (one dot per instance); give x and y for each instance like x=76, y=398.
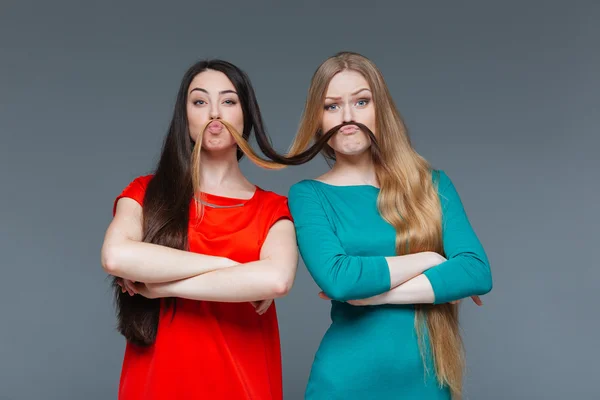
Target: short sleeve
x=274, y=209
x=136, y=190
x=281, y=211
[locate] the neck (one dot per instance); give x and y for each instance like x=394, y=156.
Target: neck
x=356, y=168
x=220, y=169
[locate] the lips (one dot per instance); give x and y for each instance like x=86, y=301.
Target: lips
x=215, y=127
x=348, y=129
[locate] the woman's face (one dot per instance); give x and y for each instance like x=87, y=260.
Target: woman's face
x=349, y=99
x=212, y=97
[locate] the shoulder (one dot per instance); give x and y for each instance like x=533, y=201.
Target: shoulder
x=140, y=182
x=441, y=180
x=137, y=187
x=303, y=188
x=271, y=202
x=136, y=190
x=447, y=192
x=145, y=179
x=272, y=208
x=269, y=197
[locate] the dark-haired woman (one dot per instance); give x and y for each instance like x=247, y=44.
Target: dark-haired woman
x=198, y=253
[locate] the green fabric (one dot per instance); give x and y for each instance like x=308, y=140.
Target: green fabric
x=372, y=352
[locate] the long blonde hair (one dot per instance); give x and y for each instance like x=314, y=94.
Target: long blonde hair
x=408, y=200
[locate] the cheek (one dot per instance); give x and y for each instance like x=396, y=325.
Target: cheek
x=235, y=117
x=194, y=123
x=336, y=142
x=367, y=118
x=332, y=143
x=370, y=117
x=197, y=119
x=329, y=121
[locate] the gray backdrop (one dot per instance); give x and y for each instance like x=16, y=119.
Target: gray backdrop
x=503, y=96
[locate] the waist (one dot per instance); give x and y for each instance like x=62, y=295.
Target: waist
x=342, y=313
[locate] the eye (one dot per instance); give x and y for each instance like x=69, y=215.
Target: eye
x=362, y=102
x=199, y=102
x=230, y=102
x=331, y=107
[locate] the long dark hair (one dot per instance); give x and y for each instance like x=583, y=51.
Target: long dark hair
x=170, y=191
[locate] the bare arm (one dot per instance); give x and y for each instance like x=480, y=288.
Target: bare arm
x=270, y=277
x=124, y=254
x=417, y=290
x=404, y=268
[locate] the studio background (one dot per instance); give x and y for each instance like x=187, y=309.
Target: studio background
x=503, y=96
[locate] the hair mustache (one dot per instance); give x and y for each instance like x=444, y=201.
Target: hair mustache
x=278, y=161
x=321, y=142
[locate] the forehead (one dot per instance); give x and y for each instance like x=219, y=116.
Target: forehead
x=345, y=82
x=211, y=80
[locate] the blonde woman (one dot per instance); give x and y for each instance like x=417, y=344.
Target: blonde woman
x=386, y=238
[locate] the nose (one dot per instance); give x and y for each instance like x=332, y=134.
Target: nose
x=347, y=114
x=215, y=112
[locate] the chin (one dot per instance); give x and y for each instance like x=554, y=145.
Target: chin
x=353, y=150
x=354, y=153
x=219, y=148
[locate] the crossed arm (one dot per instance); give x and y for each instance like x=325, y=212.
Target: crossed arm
x=410, y=279
x=167, y=272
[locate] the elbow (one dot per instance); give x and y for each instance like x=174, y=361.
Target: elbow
x=344, y=279
x=481, y=275
x=339, y=292
x=282, y=286
x=110, y=260
x=486, y=285
x=485, y=280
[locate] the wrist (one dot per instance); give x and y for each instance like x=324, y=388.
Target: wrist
x=158, y=290
x=434, y=259
x=378, y=300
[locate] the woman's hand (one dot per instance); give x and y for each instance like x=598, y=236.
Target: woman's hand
x=127, y=286
x=150, y=290
x=475, y=299
x=324, y=296
x=262, y=306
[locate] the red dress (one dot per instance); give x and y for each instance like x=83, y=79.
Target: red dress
x=212, y=350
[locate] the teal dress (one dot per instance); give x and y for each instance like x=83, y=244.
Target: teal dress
x=372, y=352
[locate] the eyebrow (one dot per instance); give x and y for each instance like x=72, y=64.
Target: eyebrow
x=353, y=94
x=221, y=92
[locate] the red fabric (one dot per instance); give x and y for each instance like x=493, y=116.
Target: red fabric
x=212, y=350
